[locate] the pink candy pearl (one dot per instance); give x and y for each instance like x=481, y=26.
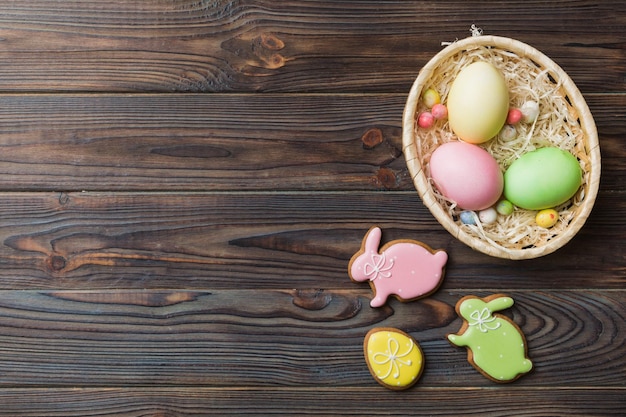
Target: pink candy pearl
x=514, y=116
x=426, y=120
x=439, y=111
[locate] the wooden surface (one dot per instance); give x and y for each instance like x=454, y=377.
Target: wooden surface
x=184, y=182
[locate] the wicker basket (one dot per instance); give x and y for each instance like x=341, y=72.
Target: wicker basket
x=564, y=121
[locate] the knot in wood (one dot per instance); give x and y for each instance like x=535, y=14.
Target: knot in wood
x=271, y=42
x=56, y=262
x=64, y=198
x=275, y=61
x=372, y=138
x=312, y=299
x=386, y=178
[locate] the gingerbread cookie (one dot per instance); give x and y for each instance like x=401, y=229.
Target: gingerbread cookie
x=496, y=346
x=406, y=269
x=393, y=357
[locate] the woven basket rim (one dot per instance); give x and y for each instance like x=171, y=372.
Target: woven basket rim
x=423, y=185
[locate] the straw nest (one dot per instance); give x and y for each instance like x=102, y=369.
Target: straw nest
x=564, y=121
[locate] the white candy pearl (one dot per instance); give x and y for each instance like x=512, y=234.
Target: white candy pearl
x=488, y=216
x=508, y=132
x=530, y=111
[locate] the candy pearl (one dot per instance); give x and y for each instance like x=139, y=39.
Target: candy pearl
x=431, y=97
x=514, y=116
x=488, y=216
x=530, y=111
x=439, y=111
x=547, y=218
x=508, y=132
x=426, y=120
x=467, y=217
x=504, y=207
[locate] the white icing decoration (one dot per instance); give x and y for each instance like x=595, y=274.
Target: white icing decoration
x=379, y=268
x=393, y=358
x=482, y=319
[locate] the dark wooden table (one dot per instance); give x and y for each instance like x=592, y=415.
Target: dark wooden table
x=184, y=182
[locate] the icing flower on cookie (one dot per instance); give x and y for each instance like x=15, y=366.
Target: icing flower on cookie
x=496, y=346
x=407, y=269
x=379, y=267
x=393, y=358
x=482, y=318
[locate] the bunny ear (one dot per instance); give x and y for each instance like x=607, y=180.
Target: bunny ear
x=500, y=303
x=442, y=256
x=372, y=239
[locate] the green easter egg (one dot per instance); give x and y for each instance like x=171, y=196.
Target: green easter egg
x=542, y=179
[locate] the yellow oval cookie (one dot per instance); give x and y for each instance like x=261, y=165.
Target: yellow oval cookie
x=393, y=357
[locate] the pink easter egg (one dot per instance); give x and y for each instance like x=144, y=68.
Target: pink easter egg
x=466, y=174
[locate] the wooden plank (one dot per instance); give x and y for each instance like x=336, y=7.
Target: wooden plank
x=290, y=46
x=264, y=240
x=275, y=338
x=320, y=401
x=196, y=142
x=200, y=142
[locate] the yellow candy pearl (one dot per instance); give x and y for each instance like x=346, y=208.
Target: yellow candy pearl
x=431, y=97
x=547, y=218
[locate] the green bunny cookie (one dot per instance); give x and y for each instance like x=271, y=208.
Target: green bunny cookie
x=496, y=346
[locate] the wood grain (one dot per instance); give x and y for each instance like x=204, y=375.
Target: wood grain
x=287, y=46
x=265, y=338
x=263, y=240
x=318, y=401
x=226, y=142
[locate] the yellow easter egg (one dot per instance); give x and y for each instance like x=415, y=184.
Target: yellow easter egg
x=478, y=102
x=393, y=357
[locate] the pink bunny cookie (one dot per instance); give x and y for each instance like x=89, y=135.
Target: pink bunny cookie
x=406, y=269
